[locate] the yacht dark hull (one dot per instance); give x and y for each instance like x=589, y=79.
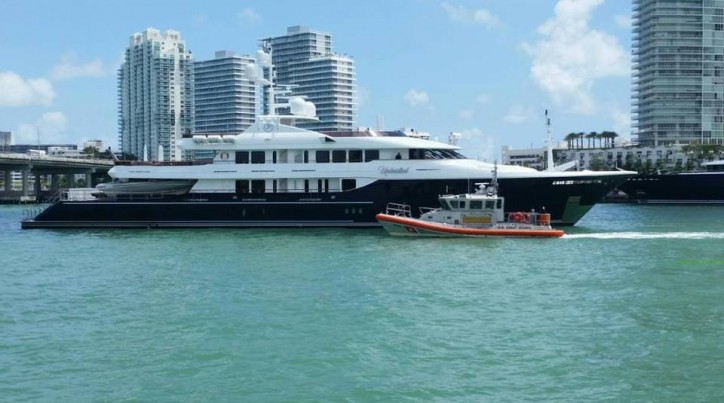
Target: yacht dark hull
x=683, y=188
x=565, y=199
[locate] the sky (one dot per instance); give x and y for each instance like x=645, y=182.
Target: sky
x=487, y=69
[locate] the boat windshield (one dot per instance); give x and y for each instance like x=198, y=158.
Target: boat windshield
x=433, y=154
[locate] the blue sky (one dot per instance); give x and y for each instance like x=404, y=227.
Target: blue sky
x=487, y=69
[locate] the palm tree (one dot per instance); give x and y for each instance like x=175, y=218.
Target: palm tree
x=591, y=136
x=612, y=138
x=580, y=139
x=570, y=138
x=603, y=137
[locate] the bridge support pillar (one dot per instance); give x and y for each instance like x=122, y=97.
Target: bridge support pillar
x=88, y=180
x=38, y=188
x=54, y=183
x=8, y=180
x=25, y=181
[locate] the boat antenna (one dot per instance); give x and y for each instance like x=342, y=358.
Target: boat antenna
x=549, y=141
x=493, y=188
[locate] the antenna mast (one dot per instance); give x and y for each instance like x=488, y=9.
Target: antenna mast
x=549, y=141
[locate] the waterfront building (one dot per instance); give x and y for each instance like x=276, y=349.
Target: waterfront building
x=303, y=59
x=155, y=92
x=678, y=72
x=224, y=98
x=529, y=157
x=6, y=139
x=626, y=156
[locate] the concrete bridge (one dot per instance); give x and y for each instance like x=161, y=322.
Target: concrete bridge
x=39, y=166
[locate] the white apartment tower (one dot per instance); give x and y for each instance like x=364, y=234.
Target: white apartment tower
x=155, y=91
x=304, y=60
x=224, y=99
x=678, y=71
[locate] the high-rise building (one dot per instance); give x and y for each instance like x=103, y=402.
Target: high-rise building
x=678, y=71
x=155, y=91
x=304, y=60
x=224, y=99
x=6, y=138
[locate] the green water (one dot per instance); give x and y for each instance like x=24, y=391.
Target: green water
x=627, y=307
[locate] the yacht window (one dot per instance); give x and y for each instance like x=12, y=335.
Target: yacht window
x=415, y=154
x=306, y=186
x=322, y=156
x=242, y=186
x=257, y=157
x=306, y=156
x=242, y=157
x=319, y=185
x=476, y=204
x=257, y=186
x=499, y=203
x=490, y=204
x=462, y=204
x=445, y=205
x=454, y=204
x=432, y=155
x=355, y=155
x=371, y=155
x=348, y=184
x=274, y=157
x=339, y=156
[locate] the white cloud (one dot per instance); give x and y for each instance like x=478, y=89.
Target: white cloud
x=518, y=114
x=415, y=98
x=466, y=114
x=623, y=20
x=621, y=122
x=50, y=128
x=18, y=91
x=247, y=17
x=480, y=16
x=570, y=56
x=476, y=144
x=69, y=68
x=483, y=99
x=363, y=96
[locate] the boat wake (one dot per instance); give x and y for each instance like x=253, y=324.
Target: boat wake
x=648, y=235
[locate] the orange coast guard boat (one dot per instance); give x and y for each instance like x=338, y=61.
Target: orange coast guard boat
x=479, y=214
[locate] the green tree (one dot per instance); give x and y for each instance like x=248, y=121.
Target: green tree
x=597, y=164
x=91, y=151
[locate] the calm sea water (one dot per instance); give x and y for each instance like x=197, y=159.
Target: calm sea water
x=628, y=306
